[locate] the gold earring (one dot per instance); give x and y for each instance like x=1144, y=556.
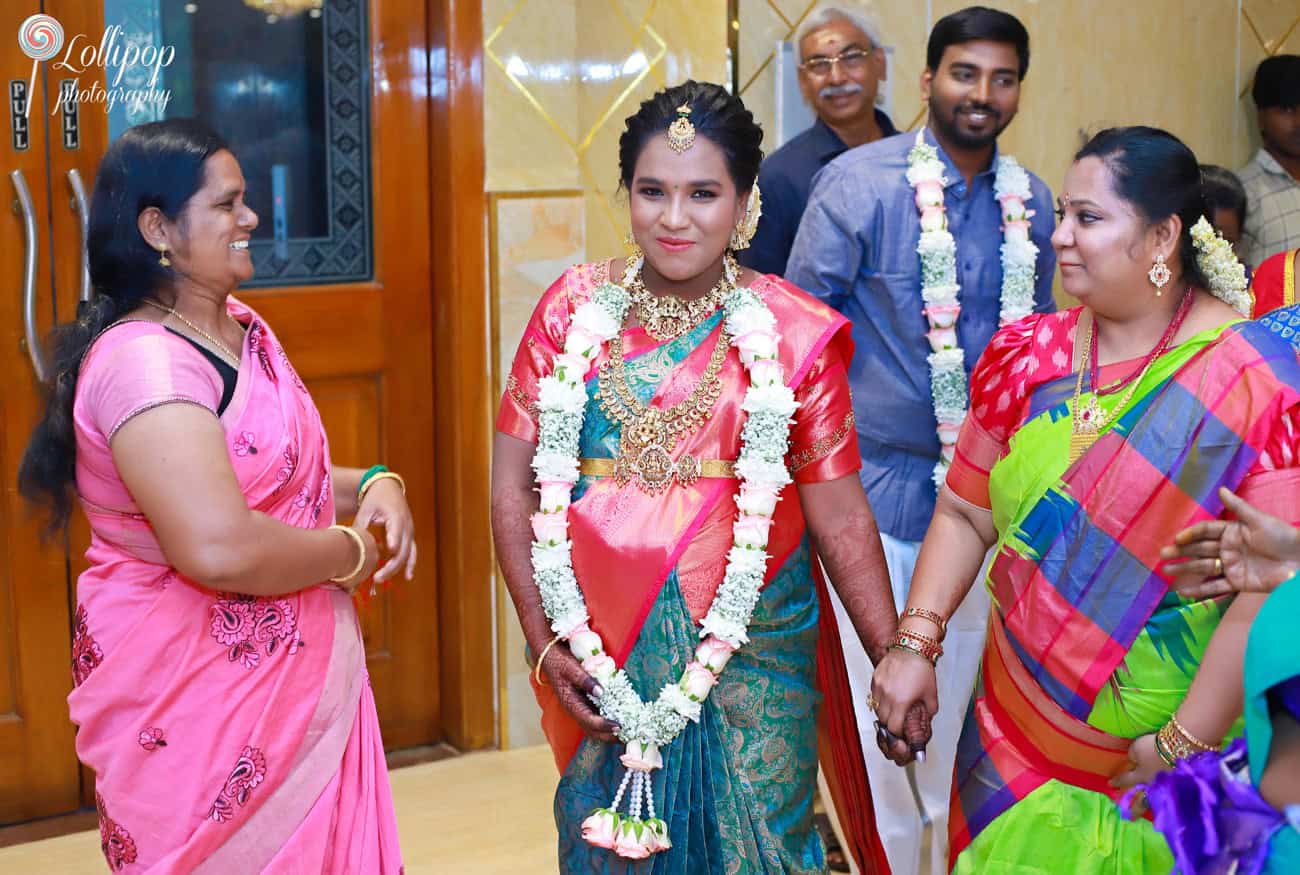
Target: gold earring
x=633, y=248
x=744, y=232
x=1159, y=274
x=163, y=259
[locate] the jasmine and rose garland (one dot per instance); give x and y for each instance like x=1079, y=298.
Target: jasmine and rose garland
x=939, y=288
x=647, y=727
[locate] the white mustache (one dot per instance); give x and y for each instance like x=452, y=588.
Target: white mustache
x=840, y=90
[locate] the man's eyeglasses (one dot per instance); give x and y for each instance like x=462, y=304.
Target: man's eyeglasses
x=853, y=60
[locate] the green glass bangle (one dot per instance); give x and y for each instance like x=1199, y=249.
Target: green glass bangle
x=370, y=472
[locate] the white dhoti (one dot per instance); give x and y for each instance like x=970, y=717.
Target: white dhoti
x=912, y=804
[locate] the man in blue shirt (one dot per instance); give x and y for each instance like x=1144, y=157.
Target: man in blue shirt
x=856, y=249
x=841, y=63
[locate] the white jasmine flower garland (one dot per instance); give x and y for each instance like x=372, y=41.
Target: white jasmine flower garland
x=645, y=727
x=939, y=288
x=1226, y=275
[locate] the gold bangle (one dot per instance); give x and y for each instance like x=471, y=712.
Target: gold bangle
x=1173, y=743
x=1191, y=739
x=1178, y=742
x=537, y=669
x=908, y=648
x=361, y=548
x=382, y=475
x=931, y=616
x=923, y=645
x=1164, y=754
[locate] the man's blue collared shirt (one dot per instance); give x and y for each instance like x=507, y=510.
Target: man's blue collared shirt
x=856, y=250
x=785, y=179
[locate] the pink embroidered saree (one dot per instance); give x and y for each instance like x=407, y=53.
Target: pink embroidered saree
x=228, y=733
x=737, y=787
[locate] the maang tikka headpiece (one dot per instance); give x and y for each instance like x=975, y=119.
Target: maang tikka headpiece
x=681, y=133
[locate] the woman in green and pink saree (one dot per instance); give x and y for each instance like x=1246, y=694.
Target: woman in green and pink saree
x=691, y=433
x=1095, y=435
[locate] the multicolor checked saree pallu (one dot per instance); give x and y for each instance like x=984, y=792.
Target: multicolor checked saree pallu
x=1082, y=614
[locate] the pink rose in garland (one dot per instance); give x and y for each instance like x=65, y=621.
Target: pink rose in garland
x=642, y=757
x=601, y=828
x=550, y=528
x=714, y=654
x=629, y=843
x=697, y=681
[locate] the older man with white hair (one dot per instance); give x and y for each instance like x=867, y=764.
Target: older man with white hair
x=841, y=64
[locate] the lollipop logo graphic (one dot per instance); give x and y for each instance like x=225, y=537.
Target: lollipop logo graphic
x=40, y=37
x=131, y=65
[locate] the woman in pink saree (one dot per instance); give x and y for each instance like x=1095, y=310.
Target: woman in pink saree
x=650, y=542
x=220, y=690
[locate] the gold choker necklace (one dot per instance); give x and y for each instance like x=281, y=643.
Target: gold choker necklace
x=666, y=317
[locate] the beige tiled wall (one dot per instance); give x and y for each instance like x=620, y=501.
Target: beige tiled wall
x=561, y=75
x=1169, y=63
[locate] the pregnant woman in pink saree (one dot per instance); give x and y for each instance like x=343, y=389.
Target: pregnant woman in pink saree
x=220, y=690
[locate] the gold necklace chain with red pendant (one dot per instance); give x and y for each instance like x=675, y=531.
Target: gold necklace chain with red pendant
x=650, y=433
x=1087, y=420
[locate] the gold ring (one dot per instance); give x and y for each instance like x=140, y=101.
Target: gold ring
x=872, y=703
x=1218, y=566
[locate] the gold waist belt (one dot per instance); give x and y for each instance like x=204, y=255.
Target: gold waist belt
x=686, y=471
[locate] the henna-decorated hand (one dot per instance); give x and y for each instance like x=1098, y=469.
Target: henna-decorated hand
x=575, y=689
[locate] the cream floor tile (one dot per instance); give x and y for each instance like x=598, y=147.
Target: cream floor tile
x=479, y=814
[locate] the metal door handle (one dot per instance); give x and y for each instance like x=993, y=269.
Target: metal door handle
x=82, y=206
x=31, y=334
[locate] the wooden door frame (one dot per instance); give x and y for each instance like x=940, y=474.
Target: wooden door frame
x=461, y=392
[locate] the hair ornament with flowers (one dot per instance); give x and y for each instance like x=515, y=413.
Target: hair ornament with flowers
x=1224, y=273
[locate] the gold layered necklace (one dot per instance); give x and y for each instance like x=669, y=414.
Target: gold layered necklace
x=667, y=317
x=649, y=433
x=1088, y=419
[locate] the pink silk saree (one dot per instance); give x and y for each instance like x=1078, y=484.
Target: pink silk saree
x=227, y=733
x=627, y=544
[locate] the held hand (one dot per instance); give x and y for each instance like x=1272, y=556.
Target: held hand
x=368, y=567
x=907, y=698
x=1145, y=762
x=1257, y=551
x=386, y=505
x=573, y=686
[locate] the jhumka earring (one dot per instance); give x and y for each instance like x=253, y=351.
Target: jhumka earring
x=1159, y=275
x=634, y=252
x=681, y=133
x=163, y=259
x=744, y=232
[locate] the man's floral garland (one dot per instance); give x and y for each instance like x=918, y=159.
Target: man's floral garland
x=939, y=288
x=645, y=727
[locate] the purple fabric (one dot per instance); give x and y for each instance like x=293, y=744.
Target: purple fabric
x=1287, y=695
x=1212, y=816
